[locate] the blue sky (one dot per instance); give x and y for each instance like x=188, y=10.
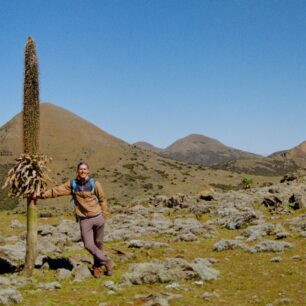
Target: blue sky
x=160, y=70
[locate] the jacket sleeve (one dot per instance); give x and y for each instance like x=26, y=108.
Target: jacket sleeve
x=61, y=190
x=101, y=199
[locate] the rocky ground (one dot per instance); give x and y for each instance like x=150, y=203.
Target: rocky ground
x=216, y=248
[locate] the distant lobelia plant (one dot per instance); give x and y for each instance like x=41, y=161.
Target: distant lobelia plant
x=29, y=173
x=247, y=182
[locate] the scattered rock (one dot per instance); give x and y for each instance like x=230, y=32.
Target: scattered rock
x=188, y=225
x=282, y=301
x=63, y=274
x=297, y=201
x=118, y=234
x=140, y=209
x=288, y=178
x=186, y=237
x=157, y=299
x=4, y=281
x=46, y=214
x=228, y=245
x=110, y=285
x=16, y=224
x=8, y=296
x=20, y=281
x=146, y=244
x=235, y=219
x=110, y=292
x=143, y=273
x=270, y=246
x=178, y=201
x=173, y=285
x=14, y=253
x=199, y=283
x=202, y=267
x=208, y=295
x=282, y=235
x=126, y=227
x=257, y=231
x=11, y=239
x=50, y=286
x=207, y=197
x=81, y=272
x=273, y=190
x=274, y=205
x=71, y=229
x=171, y=270
x=298, y=224
x=276, y=259
x=297, y=257
x=46, y=229
x=46, y=246
x=200, y=209
x=160, y=222
x=39, y=261
x=123, y=256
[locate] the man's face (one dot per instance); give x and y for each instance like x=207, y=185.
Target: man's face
x=83, y=172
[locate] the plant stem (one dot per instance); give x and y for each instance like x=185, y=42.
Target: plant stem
x=31, y=248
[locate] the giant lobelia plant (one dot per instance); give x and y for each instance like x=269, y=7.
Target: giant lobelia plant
x=29, y=176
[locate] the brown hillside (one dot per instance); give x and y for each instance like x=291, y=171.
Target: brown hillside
x=269, y=166
x=64, y=135
x=147, y=146
x=296, y=154
x=199, y=149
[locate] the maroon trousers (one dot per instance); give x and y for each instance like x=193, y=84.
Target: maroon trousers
x=92, y=232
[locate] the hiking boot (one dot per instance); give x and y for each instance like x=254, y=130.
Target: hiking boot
x=97, y=272
x=108, y=269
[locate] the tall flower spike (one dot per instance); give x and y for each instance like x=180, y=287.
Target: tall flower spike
x=31, y=100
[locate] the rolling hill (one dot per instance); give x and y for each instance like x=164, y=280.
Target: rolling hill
x=296, y=154
x=199, y=149
x=147, y=146
x=278, y=163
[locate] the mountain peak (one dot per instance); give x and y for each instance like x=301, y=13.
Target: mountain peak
x=200, y=149
x=199, y=138
x=62, y=134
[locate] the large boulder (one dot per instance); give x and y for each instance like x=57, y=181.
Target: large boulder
x=260, y=230
x=172, y=269
x=297, y=201
x=233, y=218
x=270, y=246
x=14, y=253
x=228, y=244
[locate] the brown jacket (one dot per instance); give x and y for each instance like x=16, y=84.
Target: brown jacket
x=85, y=202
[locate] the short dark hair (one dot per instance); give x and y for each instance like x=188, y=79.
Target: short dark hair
x=81, y=164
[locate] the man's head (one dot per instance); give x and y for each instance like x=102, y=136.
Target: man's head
x=83, y=170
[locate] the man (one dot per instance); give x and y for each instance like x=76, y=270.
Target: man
x=90, y=210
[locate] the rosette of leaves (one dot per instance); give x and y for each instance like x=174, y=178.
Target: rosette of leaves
x=29, y=175
x=247, y=182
